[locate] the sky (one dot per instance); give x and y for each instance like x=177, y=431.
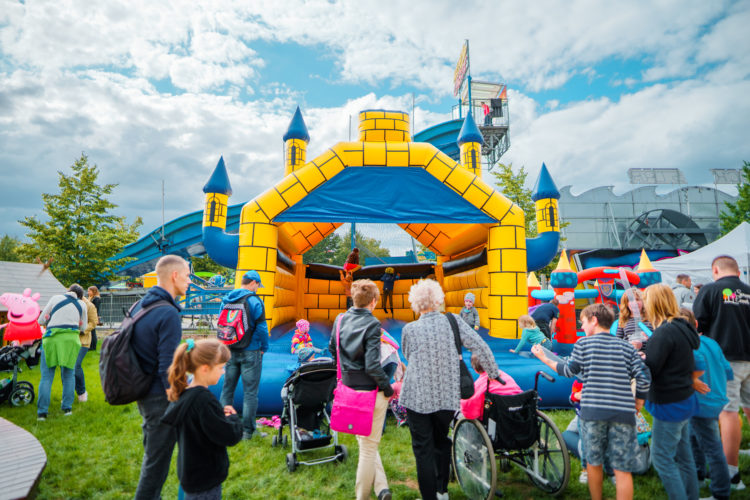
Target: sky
x=159, y=91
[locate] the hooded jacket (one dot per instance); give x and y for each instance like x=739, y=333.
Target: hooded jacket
x=669, y=356
x=203, y=435
x=156, y=336
x=360, y=351
x=254, y=309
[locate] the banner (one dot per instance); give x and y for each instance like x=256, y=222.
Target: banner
x=462, y=68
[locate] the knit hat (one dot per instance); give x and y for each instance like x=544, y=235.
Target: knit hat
x=388, y=270
x=469, y=296
x=303, y=325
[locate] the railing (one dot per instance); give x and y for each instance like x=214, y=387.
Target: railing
x=498, y=116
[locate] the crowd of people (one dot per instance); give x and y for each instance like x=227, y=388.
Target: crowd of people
x=692, y=384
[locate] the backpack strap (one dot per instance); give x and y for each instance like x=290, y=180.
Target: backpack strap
x=252, y=322
x=67, y=300
x=454, y=327
x=145, y=310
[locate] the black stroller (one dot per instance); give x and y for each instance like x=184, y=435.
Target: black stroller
x=306, y=395
x=18, y=393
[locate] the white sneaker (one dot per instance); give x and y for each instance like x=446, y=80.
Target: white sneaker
x=82, y=398
x=584, y=477
x=708, y=498
x=736, y=483
x=442, y=496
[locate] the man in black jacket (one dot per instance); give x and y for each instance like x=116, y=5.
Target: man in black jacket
x=155, y=338
x=722, y=309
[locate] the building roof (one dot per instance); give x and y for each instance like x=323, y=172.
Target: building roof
x=15, y=277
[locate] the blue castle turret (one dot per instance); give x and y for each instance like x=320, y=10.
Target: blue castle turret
x=295, y=143
x=541, y=250
x=221, y=246
x=470, y=142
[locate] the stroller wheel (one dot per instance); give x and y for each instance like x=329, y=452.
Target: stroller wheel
x=274, y=441
x=21, y=396
x=285, y=441
x=342, y=452
x=291, y=462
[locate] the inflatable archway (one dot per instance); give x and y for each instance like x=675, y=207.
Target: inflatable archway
x=478, y=235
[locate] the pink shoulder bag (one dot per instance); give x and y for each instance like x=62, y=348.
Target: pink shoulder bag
x=352, y=410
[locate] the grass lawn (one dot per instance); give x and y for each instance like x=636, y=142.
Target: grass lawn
x=96, y=453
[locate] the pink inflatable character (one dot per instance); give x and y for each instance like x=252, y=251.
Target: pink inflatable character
x=23, y=311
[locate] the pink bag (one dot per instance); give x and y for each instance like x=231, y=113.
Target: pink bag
x=352, y=410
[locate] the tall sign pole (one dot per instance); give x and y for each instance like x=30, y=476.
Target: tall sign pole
x=460, y=74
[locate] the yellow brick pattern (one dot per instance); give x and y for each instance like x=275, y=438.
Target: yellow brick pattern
x=215, y=210
x=471, y=158
x=382, y=126
x=547, y=215
x=295, y=151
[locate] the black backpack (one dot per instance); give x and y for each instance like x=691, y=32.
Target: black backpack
x=123, y=380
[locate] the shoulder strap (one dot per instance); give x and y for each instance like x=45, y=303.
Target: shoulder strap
x=67, y=300
x=454, y=327
x=144, y=310
x=250, y=321
x=338, y=350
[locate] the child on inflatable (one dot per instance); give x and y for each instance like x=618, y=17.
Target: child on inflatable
x=388, y=279
x=302, y=344
x=204, y=428
x=469, y=313
x=531, y=334
x=473, y=407
x=352, y=261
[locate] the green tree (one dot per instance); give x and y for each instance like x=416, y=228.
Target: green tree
x=739, y=211
x=325, y=251
x=512, y=185
x=9, y=249
x=204, y=263
x=80, y=234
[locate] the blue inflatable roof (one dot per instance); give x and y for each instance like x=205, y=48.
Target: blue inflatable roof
x=297, y=128
x=545, y=186
x=469, y=131
x=384, y=195
x=219, y=180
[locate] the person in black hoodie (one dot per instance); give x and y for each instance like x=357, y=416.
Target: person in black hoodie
x=722, y=309
x=671, y=398
x=155, y=338
x=205, y=429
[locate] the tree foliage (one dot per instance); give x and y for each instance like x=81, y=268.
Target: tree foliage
x=79, y=235
x=738, y=212
x=206, y=264
x=333, y=249
x=512, y=185
x=9, y=246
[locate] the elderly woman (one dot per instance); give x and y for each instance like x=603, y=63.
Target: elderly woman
x=431, y=389
x=359, y=353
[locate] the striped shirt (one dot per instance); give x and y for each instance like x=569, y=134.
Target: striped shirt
x=606, y=366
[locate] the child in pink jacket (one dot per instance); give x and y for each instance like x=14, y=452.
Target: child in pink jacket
x=472, y=407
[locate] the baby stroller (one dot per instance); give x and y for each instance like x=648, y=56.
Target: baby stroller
x=18, y=393
x=306, y=395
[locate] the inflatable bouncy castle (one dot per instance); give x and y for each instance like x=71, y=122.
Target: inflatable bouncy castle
x=477, y=234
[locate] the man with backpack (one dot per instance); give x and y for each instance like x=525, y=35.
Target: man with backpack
x=247, y=351
x=155, y=338
x=65, y=317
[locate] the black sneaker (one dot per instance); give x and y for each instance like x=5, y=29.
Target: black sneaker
x=41, y=417
x=385, y=494
x=67, y=413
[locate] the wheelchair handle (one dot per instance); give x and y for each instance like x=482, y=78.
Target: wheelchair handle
x=547, y=376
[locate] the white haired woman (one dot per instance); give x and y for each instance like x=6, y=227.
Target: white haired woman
x=431, y=390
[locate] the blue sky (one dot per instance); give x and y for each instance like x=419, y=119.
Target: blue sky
x=156, y=91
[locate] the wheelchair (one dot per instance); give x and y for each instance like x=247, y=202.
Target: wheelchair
x=511, y=431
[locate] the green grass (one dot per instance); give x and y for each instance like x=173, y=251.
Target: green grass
x=96, y=453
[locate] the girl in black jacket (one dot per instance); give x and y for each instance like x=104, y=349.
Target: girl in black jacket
x=205, y=429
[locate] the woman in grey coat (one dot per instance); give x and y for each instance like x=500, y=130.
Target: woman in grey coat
x=431, y=389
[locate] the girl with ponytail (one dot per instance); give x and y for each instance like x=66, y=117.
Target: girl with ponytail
x=204, y=428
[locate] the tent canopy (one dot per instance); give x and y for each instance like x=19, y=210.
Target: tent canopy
x=15, y=277
x=697, y=264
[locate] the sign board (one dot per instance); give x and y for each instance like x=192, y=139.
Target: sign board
x=462, y=68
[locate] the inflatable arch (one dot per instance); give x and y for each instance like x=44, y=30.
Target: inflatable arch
x=478, y=235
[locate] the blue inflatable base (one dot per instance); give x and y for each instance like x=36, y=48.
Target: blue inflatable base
x=279, y=363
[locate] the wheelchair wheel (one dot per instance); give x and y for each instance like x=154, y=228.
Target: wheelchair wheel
x=553, y=460
x=474, y=460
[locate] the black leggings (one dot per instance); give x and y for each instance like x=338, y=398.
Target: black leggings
x=432, y=450
x=388, y=294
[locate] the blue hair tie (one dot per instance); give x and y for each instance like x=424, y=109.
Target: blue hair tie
x=190, y=344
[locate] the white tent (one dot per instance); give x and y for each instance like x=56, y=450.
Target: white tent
x=698, y=264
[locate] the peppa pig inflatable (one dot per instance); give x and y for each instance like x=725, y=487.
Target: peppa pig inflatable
x=23, y=311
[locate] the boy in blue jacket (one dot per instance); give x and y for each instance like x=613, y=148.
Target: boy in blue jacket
x=715, y=371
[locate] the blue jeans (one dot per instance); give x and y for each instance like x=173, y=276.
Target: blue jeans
x=248, y=365
x=672, y=457
x=45, y=387
x=80, y=382
x=707, y=433
x=158, y=444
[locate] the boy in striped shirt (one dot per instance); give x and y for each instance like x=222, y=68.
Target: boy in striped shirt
x=606, y=365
